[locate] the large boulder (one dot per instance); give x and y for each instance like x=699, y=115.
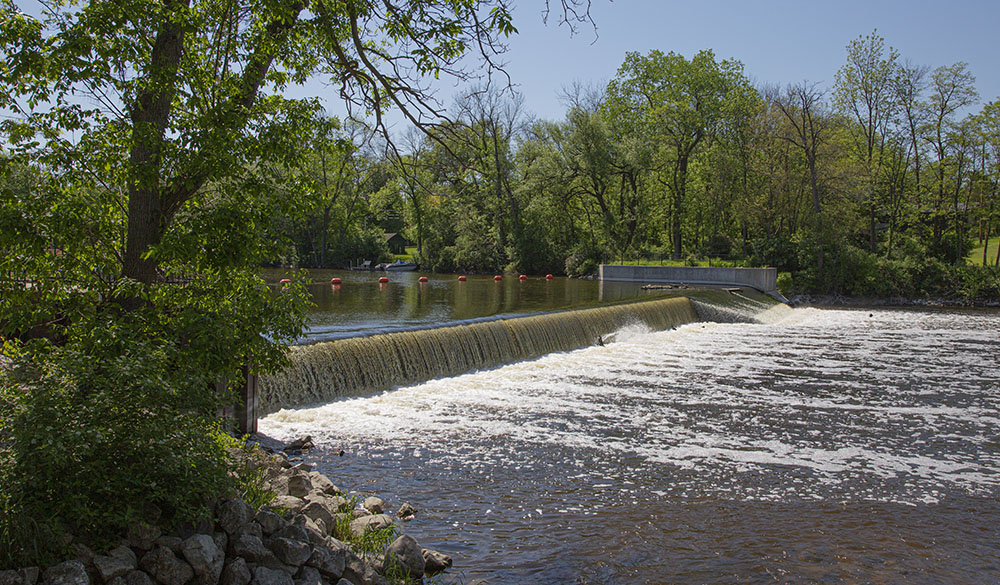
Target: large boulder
x=205, y=558
x=299, y=485
x=66, y=573
x=236, y=572
x=164, y=566
x=269, y=522
x=322, y=483
x=374, y=505
x=328, y=561
x=136, y=577
x=234, y=515
x=320, y=514
x=290, y=552
x=434, y=561
x=405, y=555
x=292, y=503
x=250, y=547
x=308, y=576
x=368, y=524
x=265, y=576
x=109, y=567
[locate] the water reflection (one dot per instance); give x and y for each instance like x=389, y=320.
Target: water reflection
x=362, y=306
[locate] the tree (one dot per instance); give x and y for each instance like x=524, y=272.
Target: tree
x=681, y=104
x=866, y=91
x=951, y=89
x=156, y=134
x=802, y=106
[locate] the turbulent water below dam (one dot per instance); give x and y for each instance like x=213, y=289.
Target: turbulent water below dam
x=823, y=446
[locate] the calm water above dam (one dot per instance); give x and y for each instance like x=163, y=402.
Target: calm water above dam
x=827, y=446
x=361, y=306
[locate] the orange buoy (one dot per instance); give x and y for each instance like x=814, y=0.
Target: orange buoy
x=498, y=278
x=461, y=278
x=548, y=277
x=523, y=277
x=422, y=279
x=383, y=279
x=335, y=280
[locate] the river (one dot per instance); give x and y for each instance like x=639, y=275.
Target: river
x=824, y=446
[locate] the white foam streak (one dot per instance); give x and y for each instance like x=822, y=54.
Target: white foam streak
x=837, y=395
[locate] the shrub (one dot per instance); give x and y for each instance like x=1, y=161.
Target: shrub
x=784, y=283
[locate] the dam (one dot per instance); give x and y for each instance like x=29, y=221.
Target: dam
x=752, y=444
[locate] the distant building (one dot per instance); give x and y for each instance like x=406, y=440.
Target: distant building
x=397, y=243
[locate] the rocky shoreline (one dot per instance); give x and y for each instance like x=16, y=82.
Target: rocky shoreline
x=312, y=533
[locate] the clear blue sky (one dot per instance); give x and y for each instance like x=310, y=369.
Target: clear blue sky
x=778, y=41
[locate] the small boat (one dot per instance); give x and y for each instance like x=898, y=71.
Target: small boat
x=400, y=266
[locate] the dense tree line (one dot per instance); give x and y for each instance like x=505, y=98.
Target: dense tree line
x=878, y=185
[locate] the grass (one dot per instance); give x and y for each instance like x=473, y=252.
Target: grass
x=976, y=254
x=411, y=253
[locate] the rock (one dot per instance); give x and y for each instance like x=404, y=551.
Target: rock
x=250, y=547
x=303, y=467
x=133, y=578
x=164, y=566
x=405, y=554
x=109, y=567
x=30, y=575
x=299, y=485
x=291, y=503
x=319, y=513
x=205, y=558
x=236, y=573
x=290, y=552
x=221, y=540
x=234, y=515
x=143, y=536
x=434, y=561
x=171, y=542
x=374, y=505
x=11, y=578
x=124, y=554
x=314, y=533
x=292, y=531
x=300, y=444
x=369, y=524
x=81, y=552
x=308, y=576
x=322, y=483
x=406, y=512
x=356, y=570
x=328, y=561
x=66, y=573
x=265, y=576
x=344, y=582
x=268, y=521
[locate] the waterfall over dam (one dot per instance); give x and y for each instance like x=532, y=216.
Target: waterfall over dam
x=360, y=365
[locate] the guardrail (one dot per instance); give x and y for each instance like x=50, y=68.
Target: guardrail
x=762, y=279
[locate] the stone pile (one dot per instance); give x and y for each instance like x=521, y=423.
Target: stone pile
x=245, y=546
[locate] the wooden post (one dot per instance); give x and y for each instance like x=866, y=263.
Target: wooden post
x=246, y=408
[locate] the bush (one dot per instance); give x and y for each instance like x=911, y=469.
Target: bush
x=119, y=419
x=784, y=283
x=584, y=260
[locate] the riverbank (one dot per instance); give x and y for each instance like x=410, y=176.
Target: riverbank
x=888, y=302
x=293, y=527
